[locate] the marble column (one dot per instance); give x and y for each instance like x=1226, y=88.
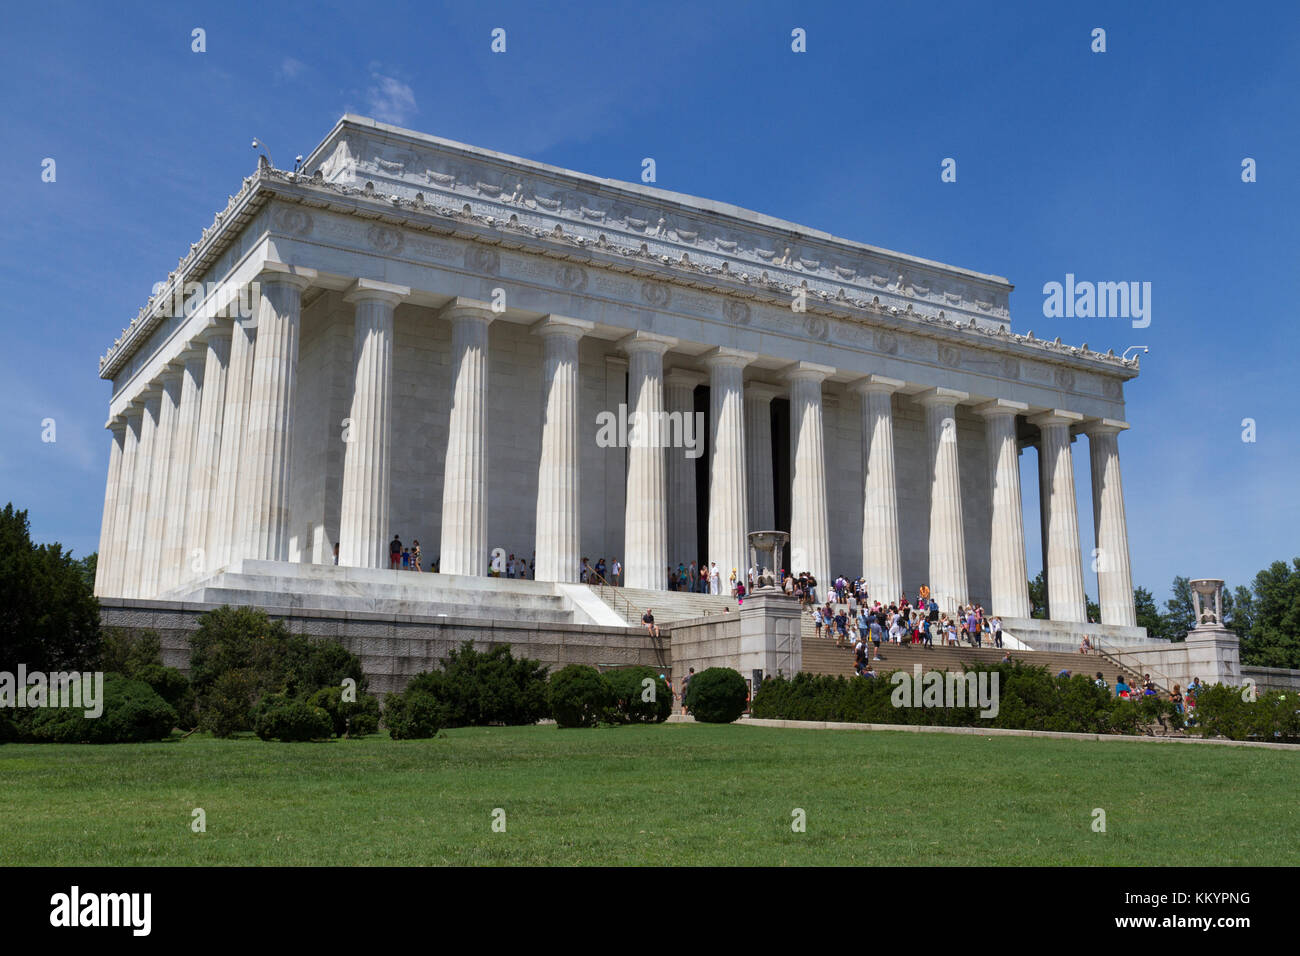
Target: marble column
x=1008, y=573
x=150, y=400
x=728, y=501
x=117, y=574
x=364, y=523
x=645, y=520
x=207, y=451
x=1062, y=556
x=810, y=548
x=464, y=488
x=947, y=546
x=1114, y=575
x=111, y=492
x=882, y=565
x=174, y=558
x=683, y=527
x=224, y=529
x=265, y=456
x=159, y=482
x=760, y=485
x=559, y=468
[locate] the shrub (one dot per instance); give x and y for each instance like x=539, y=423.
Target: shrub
x=227, y=706
x=348, y=717
x=717, y=695
x=629, y=689
x=492, y=687
x=172, y=686
x=133, y=713
x=579, y=695
x=412, y=714
x=293, y=720
x=1223, y=711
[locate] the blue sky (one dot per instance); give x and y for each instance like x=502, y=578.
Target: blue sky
x=1117, y=166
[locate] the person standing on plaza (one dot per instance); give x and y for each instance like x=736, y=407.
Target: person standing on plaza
x=415, y=556
x=394, y=552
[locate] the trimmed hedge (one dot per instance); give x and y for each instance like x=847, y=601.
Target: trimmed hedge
x=1029, y=698
x=1223, y=711
x=580, y=696
x=413, y=715
x=286, y=719
x=490, y=687
x=353, y=718
x=630, y=689
x=133, y=713
x=717, y=695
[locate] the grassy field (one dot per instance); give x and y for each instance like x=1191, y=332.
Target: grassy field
x=671, y=794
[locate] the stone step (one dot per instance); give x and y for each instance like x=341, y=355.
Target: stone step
x=557, y=614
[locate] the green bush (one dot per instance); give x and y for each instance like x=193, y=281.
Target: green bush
x=412, y=715
x=492, y=687
x=132, y=713
x=717, y=695
x=354, y=718
x=629, y=689
x=293, y=720
x=579, y=696
x=172, y=686
x=1224, y=711
x=239, y=655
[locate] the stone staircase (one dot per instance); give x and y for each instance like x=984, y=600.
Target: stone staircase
x=668, y=606
x=821, y=656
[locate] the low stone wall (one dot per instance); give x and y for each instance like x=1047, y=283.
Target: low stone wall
x=1272, y=678
x=394, y=648
x=1042, y=635
x=701, y=642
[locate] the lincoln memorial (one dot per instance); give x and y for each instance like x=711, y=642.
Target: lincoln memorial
x=412, y=336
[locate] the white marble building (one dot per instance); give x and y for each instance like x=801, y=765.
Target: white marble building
x=435, y=329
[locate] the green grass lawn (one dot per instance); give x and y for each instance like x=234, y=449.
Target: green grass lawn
x=670, y=794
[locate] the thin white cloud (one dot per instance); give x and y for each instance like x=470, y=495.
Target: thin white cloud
x=290, y=69
x=390, y=100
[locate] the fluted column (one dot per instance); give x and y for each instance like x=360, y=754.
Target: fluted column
x=947, y=549
x=760, y=486
x=117, y=556
x=645, y=520
x=882, y=565
x=1062, y=556
x=226, y=524
x=464, y=487
x=683, y=527
x=1008, y=573
x=728, y=501
x=1114, y=575
x=264, y=472
x=810, y=548
x=559, y=468
x=159, y=483
x=111, y=491
x=151, y=400
x=367, y=455
x=174, y=558
x=207, y=451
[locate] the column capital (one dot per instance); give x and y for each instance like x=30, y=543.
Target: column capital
x=372, y=290
x=1000, y=408
x=642, y=341
x=117, y=424
x=808, y=372
x=562, y=325
x=763, y=391
x=172, y=372
x=942, y=397
x=463, y=308
x=279, y=272
x=220, y=326
x=724, y=357
x=684, y=377
x=877, y=384
x=1103, y=426
x=1055, y=416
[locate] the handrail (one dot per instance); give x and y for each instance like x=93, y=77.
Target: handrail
x=1111, y=655
x=655, y=640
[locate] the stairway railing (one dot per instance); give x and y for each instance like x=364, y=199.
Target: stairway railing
x=606, y=591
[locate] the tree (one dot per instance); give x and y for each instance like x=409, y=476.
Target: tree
x=1094, y=609
x=1148, y=615
x=1038, y=597
x=1274, y=639
x=49, y=618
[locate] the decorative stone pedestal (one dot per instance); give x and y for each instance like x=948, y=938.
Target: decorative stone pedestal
x=770, y=636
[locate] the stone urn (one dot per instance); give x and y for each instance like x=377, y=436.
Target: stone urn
x=766, y=551
x=1207, y=602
